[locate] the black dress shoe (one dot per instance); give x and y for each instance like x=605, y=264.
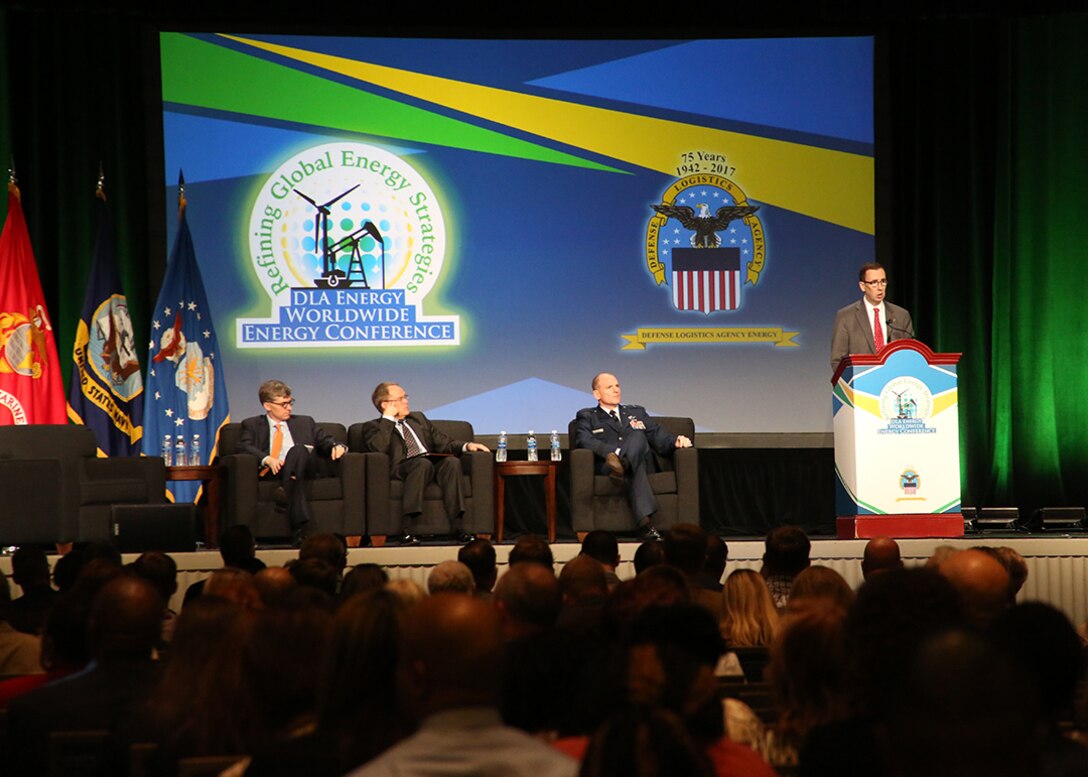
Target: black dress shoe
x=299, y=535
x=463, y=537
x=615, y=466
x=408, y=539
x=648, y=533
x=279, y=496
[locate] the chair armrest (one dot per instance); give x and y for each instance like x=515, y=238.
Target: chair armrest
x=480, y=468
x=352, y=468
x=686, y=463
x=238, y=497
x=377, y=485
x=150, y=469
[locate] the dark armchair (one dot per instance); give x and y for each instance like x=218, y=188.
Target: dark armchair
x=600, y=502
x=337, y=503
x=55, y=488
x=383, y=493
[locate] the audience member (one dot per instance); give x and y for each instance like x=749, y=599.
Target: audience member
x=817, y=582
x=274, y=585
x=64, y=648
x=317, y=573
x=1014, y=564
x=527, y=599
x=685, y=549
x=30, y=571
x=982, y=583
x=330, y=548
x=452, y=577
x=602, y=547
x=529, y=547
x=717, y=556
x=125, y=623
x=751, y=619
x=785, y=554
x=479, y=556
x=408, y=591
x=237, y=549
x=20, y=653
x=881, y=554
x=452, y=648
x=361, y=579
x=645, y=742
x=161, y=571
x=583, y=587
x=234, y=585
x=648, y=554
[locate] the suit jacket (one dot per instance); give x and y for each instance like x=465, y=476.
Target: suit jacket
x=381, y=436
x=853, y=331
x=598, y=432
x=256, y=437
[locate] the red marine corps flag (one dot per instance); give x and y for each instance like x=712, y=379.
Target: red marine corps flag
x=30, y=385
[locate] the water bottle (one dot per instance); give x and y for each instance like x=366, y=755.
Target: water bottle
x=557, y=454
x=167, y=450
x=500, y=449
x=194, y=452
x=532, y=446
x=179, y=451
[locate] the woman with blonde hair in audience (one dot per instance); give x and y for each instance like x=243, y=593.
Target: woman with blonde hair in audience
x=750, y=616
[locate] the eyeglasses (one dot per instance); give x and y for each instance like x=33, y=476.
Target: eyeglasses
x=881, y=282
x=284, y=403
x=401, y=398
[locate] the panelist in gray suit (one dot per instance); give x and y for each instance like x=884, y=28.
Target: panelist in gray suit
x=867, y=325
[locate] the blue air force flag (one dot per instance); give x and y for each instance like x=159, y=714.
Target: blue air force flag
x=186, y=390
x=106, y=392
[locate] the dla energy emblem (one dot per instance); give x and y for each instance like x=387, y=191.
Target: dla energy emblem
x=347, y=240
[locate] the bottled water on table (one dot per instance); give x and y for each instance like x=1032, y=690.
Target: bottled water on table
x=532, y=446
x=168, y=450
x=553, y=444
x=500, y=449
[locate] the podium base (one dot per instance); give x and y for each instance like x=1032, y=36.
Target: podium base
x=915, y=525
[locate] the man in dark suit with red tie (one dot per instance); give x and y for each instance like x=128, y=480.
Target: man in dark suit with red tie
x=869, y=324
x=624, y=438
x=287, y=447
x=407, y=438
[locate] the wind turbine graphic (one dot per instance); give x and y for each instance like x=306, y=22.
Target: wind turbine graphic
x=331, y=275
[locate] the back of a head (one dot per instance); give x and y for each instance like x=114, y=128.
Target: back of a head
x=316, y=572
x=640, y=742
x=234, y=585
x=126, y=619
x=817, y=582
x=30, y=567
x=453, y=648
x=158, y=569
x=649, y=553
x=881, y=554
x=236, y=546
x=685, y=548
x=451, y=577
x=751, y=619
x=602, y=546
x=582, y=578
x=479, y=557
x=717, y=556
x=529, y=595
x=982, y=583
x=786, y=551
x=890, y=618
x=363, y=578
x=327, y=547
x=529, y=547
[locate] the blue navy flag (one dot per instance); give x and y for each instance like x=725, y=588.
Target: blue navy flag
x=106, y=392
x=186, y=390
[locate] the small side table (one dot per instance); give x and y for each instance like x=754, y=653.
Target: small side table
x=513, y=469
x=209, y=475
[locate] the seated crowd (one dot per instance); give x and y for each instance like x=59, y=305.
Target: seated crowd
x=319, y=669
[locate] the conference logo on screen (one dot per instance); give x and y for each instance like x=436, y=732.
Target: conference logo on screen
x=705, y=248
x=347, y=239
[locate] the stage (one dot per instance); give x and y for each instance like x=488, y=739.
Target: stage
x=1057, y=564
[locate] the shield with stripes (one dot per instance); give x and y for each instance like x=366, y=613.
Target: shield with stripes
x=706, y=279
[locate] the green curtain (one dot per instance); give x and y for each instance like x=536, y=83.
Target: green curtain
x=989, y=196
x=74, y=98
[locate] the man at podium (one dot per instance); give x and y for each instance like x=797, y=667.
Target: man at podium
x=866, y=325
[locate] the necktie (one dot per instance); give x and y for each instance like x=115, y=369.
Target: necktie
x=878, y=330
x=409, y=439
x=615, y=415
x=277, y=441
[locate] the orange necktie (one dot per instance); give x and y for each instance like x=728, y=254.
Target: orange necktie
x=277, y=441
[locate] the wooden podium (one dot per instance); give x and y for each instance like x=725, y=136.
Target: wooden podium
x=897, y=445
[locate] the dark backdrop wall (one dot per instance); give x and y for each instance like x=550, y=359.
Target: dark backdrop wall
x=981, y=195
